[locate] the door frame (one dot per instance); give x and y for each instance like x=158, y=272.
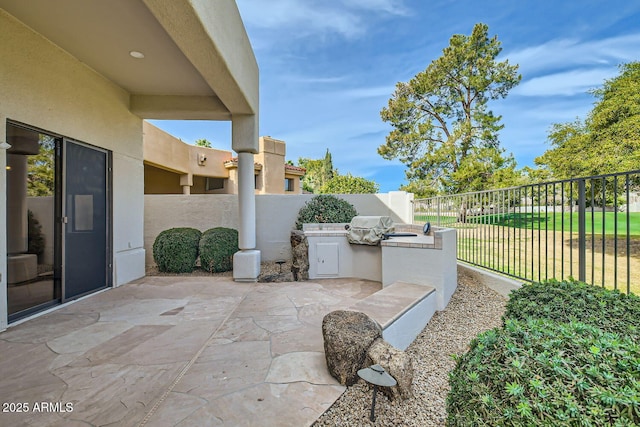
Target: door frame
x=58, y=232
x=63, y=214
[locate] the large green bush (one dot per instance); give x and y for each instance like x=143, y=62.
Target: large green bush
x=176, y=250
x=567, y=354
x=325, y=208
x=545, y=373
x=217, y=247
x=611, y=311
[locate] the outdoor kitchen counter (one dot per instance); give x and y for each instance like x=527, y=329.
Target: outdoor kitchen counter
x=419, y=241
x=331, y=255
x=428, y=260
x=326, y=233
x=423, y=260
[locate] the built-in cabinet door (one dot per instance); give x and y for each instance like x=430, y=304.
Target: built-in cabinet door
x=85, y=220
x=328, y=259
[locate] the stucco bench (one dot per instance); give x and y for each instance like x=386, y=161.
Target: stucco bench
x=402, y=309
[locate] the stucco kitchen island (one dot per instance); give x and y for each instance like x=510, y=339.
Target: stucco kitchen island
x=423, y=266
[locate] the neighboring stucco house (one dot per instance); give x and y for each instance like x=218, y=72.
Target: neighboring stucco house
x=77, y=80
x=174, y=167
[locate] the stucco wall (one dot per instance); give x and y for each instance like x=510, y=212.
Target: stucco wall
x=271, y=156
x=200, y=211
x=166, y=151
x=161, y=181
x=275, y=215
x=45, y=87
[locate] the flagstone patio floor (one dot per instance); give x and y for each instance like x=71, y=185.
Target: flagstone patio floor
x=177, y=351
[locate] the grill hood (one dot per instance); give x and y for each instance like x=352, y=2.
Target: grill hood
x=369, y=230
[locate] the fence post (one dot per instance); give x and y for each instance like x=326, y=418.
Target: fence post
x=582, y=232
x=413, y=211
x=438, y=221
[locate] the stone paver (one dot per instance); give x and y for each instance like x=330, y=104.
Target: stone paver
x=177, y=351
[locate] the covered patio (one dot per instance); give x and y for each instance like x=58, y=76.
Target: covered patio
x=177, y=351
x=82, y=76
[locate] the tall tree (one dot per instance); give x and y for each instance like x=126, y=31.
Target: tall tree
x=349, y=184
x=322, y=178
x=328, y=171
x=608, y=140
x=443, y=129
x=319, y=172
x=41, y=171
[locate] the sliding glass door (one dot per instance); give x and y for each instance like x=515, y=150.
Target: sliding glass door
x=58, y=220
x=33, y=282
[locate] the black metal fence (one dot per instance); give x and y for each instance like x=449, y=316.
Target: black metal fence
x=583, y=228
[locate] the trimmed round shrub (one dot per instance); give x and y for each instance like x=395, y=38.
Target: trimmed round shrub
x=176, y=250
x=545, y=373
x=217, y=247
x=611, y=311
x=325, y=208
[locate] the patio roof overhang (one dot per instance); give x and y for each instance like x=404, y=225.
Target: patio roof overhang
x=198, y=62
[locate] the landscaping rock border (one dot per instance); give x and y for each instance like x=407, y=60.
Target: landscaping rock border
x=473, y=308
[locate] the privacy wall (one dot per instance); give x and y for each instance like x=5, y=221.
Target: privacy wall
x=275, y=215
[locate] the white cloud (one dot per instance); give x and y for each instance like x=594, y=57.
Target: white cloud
x=299, y=19
x=566, y=83
x=394, y=7
x=568, y=67
x=568, y=53
x=314, y=79
x=369, y=92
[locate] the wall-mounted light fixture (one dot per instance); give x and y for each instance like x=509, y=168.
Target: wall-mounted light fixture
x=202, y=158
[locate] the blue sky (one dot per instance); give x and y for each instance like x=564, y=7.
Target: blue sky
x=327, y=68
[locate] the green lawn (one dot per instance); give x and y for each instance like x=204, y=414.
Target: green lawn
x=550, y=221
x=444, y=220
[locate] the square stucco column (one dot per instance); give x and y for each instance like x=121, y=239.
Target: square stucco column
x=3, y=225
x=244, y=134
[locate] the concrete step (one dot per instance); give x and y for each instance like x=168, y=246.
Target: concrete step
x=402, y=309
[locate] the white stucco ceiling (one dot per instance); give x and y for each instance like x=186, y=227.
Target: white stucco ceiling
x=102, y=33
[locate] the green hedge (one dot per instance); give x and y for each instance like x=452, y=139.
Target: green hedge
x=325, y=208
x=176, y=250
x=567, y=355
x=611, y=311
x=217, y=246
x=543, y=373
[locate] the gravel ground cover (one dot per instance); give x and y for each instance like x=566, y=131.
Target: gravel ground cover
x=473, y=308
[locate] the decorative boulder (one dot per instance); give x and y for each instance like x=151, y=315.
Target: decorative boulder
x=347, y=337
x=397, y=363
x=300, y=255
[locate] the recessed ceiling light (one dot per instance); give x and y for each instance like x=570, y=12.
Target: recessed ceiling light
x=136, y=54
